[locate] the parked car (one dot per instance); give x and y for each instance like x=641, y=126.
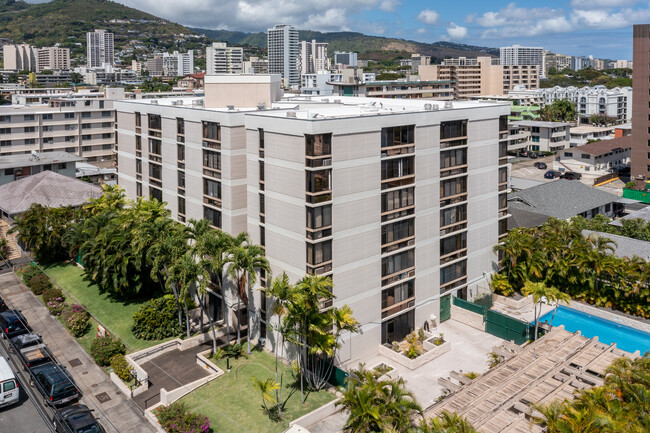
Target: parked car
x=9, y=392
x=541, y=165
x=31, y=350
x=76, y=419
x=3, y=305
x=532, y=155
x=570, y=175
x=55, y=384
x=12, y=324
x=550, y=174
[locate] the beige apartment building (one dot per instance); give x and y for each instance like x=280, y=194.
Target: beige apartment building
x=399, y=201
x=481, y=76
x=52, y=59
x=79, y=124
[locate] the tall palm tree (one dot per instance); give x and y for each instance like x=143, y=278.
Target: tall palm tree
x=539, y=292
x=186, y=272
x=245, y=260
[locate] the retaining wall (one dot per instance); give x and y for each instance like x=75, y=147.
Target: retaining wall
x=467, y=317
x=412, y=364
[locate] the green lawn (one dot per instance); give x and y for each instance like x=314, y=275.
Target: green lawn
x=232, y=404
x=115, y=314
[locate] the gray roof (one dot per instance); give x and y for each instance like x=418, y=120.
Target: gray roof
x=643, y=214
x=561, y=199
x=28, y=160
x=46, y=188
x=625, y=247
x=541, y=124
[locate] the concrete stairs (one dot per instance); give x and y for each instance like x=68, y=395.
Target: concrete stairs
x=14, y=249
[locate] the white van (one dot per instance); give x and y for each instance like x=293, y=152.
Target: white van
x=8, y=385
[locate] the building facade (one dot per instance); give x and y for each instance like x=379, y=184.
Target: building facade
x=345, y=58
x=100, y=48
x=19, y=57
x=313, y=57
x=543, y=136
x=518, y=55
x=53, y=59
x=319, y=83
x=597, y=158
x=641, y=112
x=16, y=167
x=178, y=64
x=283, y=49
x=398, y=202
x=397, y=89
x=222, y=59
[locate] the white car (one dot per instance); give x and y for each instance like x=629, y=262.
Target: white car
x=8, y=385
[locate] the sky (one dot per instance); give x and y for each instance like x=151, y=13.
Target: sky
x=602, y=28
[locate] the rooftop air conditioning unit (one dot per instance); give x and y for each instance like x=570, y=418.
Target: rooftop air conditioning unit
x=337, y=101
x=291, y=114
x=428, y=107
x=449, y=104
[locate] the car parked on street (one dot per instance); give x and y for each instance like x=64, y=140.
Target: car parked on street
x=9, y=393
x=31, y=350
x=76, y=419
x=540, y=165
x=55, y=384
x=12, y=324
x=570, y=175
x=3, y=305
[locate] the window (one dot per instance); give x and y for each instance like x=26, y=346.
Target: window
x=535, y=129
x=30, y=141
x=181, y=205
x=86, y=126
x=212, y=188
x=535, y=138
x=155, y=171
x=138, y=120
x=503, y=175
x=27, y=117
x=138, y=189
x=453, y=243
x=212, y=160
x=8, y=386
x=86, y=148
x=319, y=217
x=397, y=199
x=262, y=204
x=453, y=272
x=452, y=158
x=106, y=113
x=86, y=137
x=155, y=193
x=260, y=133
x=318, y=145
x=155, y=146
x=155, y=121
x=86, y=115
x=503, y=123
x=70, y=127
x=6, y=143
x=397, y=136
x=9, y=171
x=26, y=129
x=180, y=152
x=585, y=156
x=180, y=126
x=47, y=116
x=70, y=138
x=319, y=181
x=453, y=129
x=211, y=131
x=138, y=166
x=608, y=207
x=453, y=187
x=400, y=167
x=101, y=105
x=397, y=262
x=138, y=142
x=5, y=119
x=397, y=231
x=107, y=125
x=319, y=253
x=397, y=297
x=107, y=135
x=181, y=179
x=261, y=165
x=568, y=154
x=397, y=328
x=453, y=215
x=262, y=237
x=212, y=215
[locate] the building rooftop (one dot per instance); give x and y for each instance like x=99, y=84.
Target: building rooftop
x=590, y=129
x=46, y=188
x=541, y=124
x=560, y=199
x=29, y=160
x=549, y=369
x=625, y=247
x=643, y=213
x=603, y=147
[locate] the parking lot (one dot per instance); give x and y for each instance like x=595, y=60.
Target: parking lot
x=524, y=168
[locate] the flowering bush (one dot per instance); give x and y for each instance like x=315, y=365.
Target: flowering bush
x=121, y=367
x=103, y=349
x=76, y=319
x=39, y=283
x=52, y=293
x=175, y=418
x=56, y=306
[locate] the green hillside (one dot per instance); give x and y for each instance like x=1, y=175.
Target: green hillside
x=358, y=42
x=68, y=20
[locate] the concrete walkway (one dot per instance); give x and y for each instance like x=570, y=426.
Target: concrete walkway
x=115, y=412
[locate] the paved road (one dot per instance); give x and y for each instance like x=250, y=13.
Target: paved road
x=22, y=417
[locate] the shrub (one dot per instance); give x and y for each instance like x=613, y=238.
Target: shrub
x=122, y=368
x=56, y=306
x=156, y=319
x=175, y=418
x=630, y=185
x=52, y=293
x=501, y=285
x=76, y=319
x=395, y=346
x=29, y=272
x=103, y=349
x=471, y=375
x=39, y=283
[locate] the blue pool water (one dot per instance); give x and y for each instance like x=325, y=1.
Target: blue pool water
x=608, y=332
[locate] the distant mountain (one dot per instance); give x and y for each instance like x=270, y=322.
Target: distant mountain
x=358, y=42
x=68, y=20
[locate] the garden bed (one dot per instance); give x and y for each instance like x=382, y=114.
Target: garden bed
x=422, y=346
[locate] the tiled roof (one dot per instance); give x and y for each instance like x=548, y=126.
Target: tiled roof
x=605, y=146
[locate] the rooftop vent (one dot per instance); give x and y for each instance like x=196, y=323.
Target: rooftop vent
x=291, y=114
x=154, y=101
x=326, y=100
x=261, y=106
x=337, y=101
x=428, y=107
x=449, y=104
x=230, y=107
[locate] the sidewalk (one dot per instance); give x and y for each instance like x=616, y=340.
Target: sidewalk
x=114, y=411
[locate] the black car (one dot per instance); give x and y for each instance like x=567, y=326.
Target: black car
x=12, y=324
x=76, y=419
x=541, y=165
x=532, y=155
x=55, y=384
x=571, y=176
x=3, y=305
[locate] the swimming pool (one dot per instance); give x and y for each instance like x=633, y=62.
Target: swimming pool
x=608, y=332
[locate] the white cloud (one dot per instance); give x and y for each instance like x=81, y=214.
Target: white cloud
x=389, y=5
x=421, y=30
x=605, y=19
x=512, y=14
x=456, y=32
x=428, y=16
x=597, y=4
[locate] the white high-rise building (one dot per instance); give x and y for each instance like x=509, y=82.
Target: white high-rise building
x=283, y=50
x=19, y=57
x=222, y=59
x=518, y=55
x=100, y=48
x=178, y=64
x=313, y=57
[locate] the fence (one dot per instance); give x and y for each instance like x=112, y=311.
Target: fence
x=499, y=324
x=605, y=178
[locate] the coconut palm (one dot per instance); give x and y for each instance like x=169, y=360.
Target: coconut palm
x=245, y=260
x=187, y=273
x=266, y=388
x=450, y=423
x=540, y=292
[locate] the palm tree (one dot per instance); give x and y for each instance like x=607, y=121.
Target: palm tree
x=451, y=423
x=266, y=388
x=539, y=292
x=245, y=261
x=186, y=273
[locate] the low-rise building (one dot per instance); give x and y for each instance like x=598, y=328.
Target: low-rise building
x=15, y=167
x=96, y=173
x=192, y=81
x=403, y=89
x=584, y=133
x=599, y=157
x=545, y=136
x=319, y=83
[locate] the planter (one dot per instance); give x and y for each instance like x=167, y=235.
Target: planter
x=510, y=302
x=418, y=362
